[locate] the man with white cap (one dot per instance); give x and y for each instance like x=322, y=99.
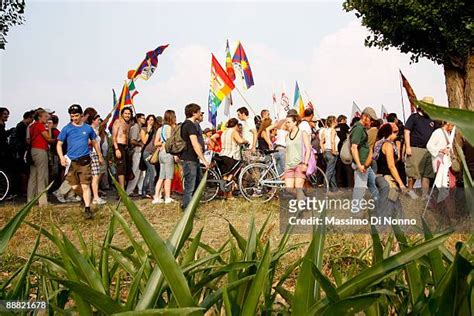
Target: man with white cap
x=361, y=155
x=418, y=130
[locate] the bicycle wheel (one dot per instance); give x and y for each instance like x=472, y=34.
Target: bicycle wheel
x=319, y=180
x=212, y=186
x=258, y=183
x=4, y=185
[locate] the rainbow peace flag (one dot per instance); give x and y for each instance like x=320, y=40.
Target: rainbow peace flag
x=298, y=103
x=126, y=98
x=221, y=85
x=241, y=61
x=229, y=68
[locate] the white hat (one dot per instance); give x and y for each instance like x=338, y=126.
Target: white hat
x=429, y=100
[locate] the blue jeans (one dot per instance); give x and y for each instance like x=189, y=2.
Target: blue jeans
x=360, y=185
x=280, y=157
x=385, y=206
x=371, y=183
x=331, y=169
x=192, y=177
x=148, y=183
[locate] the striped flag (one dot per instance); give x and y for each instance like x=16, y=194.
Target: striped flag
x=221, y=86
x=298, y=103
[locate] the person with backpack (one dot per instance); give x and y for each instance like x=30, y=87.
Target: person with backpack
x=361, y=155
x=344, y=172
x=166, y=160
x=191, y=153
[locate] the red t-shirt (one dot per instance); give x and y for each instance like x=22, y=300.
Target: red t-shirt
x=37, y=140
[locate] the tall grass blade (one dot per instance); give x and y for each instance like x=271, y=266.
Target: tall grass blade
x=160, y=252
x=99, y=300
x=251, y=303
x=179, y=235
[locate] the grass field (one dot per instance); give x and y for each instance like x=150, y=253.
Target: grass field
x=213, y=217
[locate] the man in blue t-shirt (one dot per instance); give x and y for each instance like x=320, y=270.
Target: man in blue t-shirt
x=77, y=136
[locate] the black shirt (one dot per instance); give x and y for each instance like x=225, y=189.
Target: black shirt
x=342, y=130
x=3, y=142
x=20, y=137
x=421, y=128
x=189, y=128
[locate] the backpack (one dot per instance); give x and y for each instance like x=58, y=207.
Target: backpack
x=312, y=161
x=175, y=144
x=346, y=153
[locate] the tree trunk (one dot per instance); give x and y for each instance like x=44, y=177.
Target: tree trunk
x=469, y=84
x=460, y=85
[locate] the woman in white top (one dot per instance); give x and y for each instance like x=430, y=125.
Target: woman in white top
x=166, y=160
x=230, y=154
x=441, y=149
x=279, y=144
x=329, y=142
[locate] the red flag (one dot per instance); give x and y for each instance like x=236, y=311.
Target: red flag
x=410, y=93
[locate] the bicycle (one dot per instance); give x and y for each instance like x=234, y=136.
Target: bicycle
x=4, y=185
x=259, y=182
x=215, y=179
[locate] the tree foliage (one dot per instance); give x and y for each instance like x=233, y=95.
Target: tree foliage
x=440, y=30
x=12, y=13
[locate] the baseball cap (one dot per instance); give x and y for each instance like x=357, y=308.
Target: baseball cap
x=292, y=112
x=75, y=109
x=370, y=112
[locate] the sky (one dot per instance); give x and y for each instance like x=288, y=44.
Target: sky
x=78, y=51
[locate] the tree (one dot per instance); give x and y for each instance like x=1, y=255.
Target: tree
x=11, y=14
x=440, y=30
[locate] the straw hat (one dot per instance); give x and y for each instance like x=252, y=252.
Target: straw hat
x=429, y=100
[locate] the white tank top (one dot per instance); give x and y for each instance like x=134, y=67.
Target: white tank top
x=327, y=139
x=230, y=148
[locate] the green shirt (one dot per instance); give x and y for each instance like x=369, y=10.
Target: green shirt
x=294, y=149
x=359, y=137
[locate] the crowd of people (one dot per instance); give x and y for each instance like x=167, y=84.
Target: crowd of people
x=153, y=156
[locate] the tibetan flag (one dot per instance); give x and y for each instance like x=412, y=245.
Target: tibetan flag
x=147, y=67
x=383, y=113
x=242, y=63
x=356, y=111
x=220, y=87
x=298, y=103
x=229, y=68
x=309, y=105
x=410, y=93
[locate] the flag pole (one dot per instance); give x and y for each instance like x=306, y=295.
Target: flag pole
x=401, y=96
x=254, y=113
